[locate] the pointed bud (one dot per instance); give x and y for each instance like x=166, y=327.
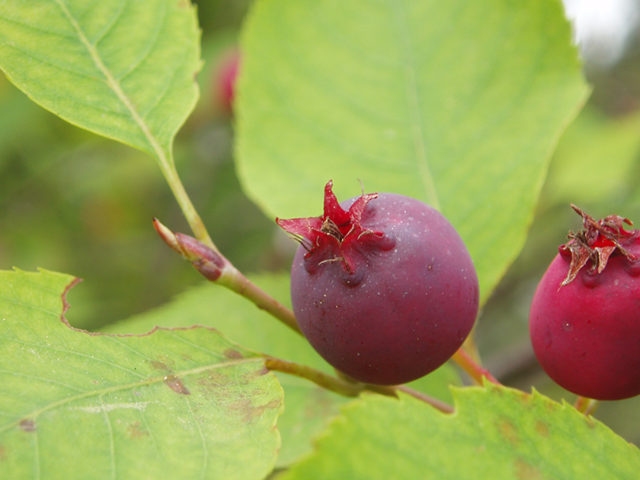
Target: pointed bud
x=166, y=235
x=207, y=261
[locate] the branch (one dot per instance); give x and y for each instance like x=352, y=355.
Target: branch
x=216, y=268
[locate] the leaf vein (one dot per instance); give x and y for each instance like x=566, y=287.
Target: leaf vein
x=128, y=386
x=117, y=89
x=42, y=379
x=145, y=54
x=37, y=28
x=164, y=91
x=110, y=25
x=205, y=450
x=176, y=337
x=112, y=447
x=413, y=103
x=74, y=353
x=314, y=127
x=315, y=77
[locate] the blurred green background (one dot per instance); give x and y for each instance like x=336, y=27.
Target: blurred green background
x=73, y=202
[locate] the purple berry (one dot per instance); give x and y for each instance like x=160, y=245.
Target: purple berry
x=382, y=286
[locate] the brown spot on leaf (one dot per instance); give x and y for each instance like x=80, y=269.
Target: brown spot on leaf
x=214, y=380
x=231, y=353
x=157, y=365
x=526, y=399
x=256, y=412
x=3, y=453
x=251, y=375
x=249, y=411
x=183, y=4
x=134, y=431
x=509, y=431
x=27, y=425
x=243, y=404
x=524, y=471
x=175, y=384
x=542, y=428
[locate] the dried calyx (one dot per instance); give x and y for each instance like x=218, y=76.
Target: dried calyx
x=336, y=233
x=597, y=241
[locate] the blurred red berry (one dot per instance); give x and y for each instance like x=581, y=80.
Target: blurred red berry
x=225, y=81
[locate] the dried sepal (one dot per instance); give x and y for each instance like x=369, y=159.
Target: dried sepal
x=597, y=241
x=580, y=255
x=336, y=229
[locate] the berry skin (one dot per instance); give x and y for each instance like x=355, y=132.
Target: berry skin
x=585, y=316
x=382, y=286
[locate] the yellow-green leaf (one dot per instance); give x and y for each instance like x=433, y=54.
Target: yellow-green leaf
x=495, y=432
x=120, y=68
x=174, y=403
x=458, y=103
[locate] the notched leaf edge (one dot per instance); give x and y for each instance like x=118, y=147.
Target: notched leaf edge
x=172, y=379
x=66, y=306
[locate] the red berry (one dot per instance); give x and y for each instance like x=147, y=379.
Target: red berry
x=382, y=286
x=585, y=315
x=225, y=81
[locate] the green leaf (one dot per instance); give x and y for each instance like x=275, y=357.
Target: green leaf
x=307, y=408
x=456, y=103
x=594, y=160
x=122, y=69
x=496, y=432
x=174, y=403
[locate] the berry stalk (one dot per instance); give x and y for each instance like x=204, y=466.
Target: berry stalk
x=475, y=371
x=434, y=402
x=586, y=405
x=349, y=388
x=337, y=385
x=207, y=259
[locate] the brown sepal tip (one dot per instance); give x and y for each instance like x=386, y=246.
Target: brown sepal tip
x=597, y=241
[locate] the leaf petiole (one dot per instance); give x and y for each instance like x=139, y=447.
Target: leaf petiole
x=191, y=215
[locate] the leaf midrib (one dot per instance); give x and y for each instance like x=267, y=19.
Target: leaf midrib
x=413, y=103
x=113, y=84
